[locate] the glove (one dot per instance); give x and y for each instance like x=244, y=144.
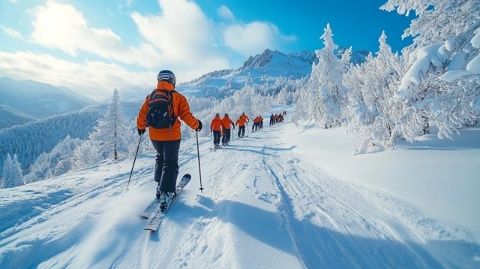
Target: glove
x=141, y=131
x=200, y=126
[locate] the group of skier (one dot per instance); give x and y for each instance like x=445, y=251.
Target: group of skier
x=161, y=112
x=276, y=118
x=221, y=129
x=257, y=123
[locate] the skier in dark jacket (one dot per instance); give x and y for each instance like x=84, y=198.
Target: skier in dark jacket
x=165, y=108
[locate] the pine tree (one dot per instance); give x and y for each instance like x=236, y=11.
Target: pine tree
x=323, y=96
x=12, y=172
x=110, y=139
x=111, y=135
x=370, y=112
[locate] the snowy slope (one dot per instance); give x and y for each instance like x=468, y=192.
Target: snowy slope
x=439, y=177
x=263, y=207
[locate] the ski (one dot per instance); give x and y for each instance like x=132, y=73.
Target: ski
x=215, y=148
x=157, y=215
x=149, y=209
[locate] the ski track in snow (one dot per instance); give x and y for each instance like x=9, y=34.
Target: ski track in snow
x=262, y=207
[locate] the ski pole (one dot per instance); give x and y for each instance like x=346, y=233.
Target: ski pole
x=199, y=169
x=134, y=159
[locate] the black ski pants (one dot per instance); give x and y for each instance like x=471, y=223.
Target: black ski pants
x=226, y=136
x=166, y=165
x=216, y=137
x=241, y=131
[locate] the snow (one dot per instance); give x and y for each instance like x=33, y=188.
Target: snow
x=474, y=65
x=267, y=203
x=476, y=39
x=424, y=57
x=439, y=177
x=458, y=62
x=451, y=76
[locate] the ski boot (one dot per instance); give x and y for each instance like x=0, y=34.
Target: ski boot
x=165, y=197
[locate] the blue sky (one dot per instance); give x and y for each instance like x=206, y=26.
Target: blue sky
x=95, y=46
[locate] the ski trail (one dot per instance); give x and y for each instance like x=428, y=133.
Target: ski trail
x=347, y=218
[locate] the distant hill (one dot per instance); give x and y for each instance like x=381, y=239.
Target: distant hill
x=29, y=99
x=29, y=140
x=10, y=117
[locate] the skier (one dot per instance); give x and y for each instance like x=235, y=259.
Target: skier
x=161, y=112
x=256, y=124
x=241, y=124
x=271, y=120
x=260, y=121
x=226, y=124
x=216, y=129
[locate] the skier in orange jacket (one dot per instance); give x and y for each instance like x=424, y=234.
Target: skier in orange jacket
x=227, y=123
x=241, y=122
x=161, y=112
x=256, y=124
x=216, y=129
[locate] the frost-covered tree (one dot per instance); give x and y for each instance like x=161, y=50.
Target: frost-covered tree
x=370, y=113
x=324, y=94
x=58, y=161
x=12, y=172
x=110, y=139
x=30, y=140
x=440, y=86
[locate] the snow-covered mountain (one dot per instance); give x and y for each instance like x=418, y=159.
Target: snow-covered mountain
x=261, y=71
x=36, y=100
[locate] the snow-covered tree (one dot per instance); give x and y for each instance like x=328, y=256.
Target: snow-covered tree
x=370, y=113
x=58, y=161
x=324, y=94
x=30, y=140
x=110, y=139
x=12, y=172
x=440, y=86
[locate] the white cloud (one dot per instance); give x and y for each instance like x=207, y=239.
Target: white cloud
x=180, y=37
x=254, y=37
x=61, y=26
x=225, y=13
x=184, y=35
x=12, y=1
x=94, y=79
x=11, y=32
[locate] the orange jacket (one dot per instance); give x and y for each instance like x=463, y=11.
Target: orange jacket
x=216, y=124
x=226, y=122
x=242, y=120
x=181, y=109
